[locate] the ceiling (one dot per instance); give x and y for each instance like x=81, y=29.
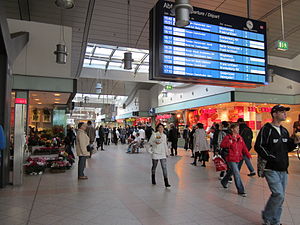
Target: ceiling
x=42, y=99
x=105, y=22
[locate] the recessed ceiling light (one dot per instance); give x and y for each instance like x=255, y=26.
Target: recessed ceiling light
x=37, y=99
x=34, y=94
x=39, y=103
x=56, y=102
x=57, y=95
x=57, y=99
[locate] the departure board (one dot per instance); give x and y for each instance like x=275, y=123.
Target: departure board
x=216, y=48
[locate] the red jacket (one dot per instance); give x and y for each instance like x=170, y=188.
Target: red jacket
x=237, y=148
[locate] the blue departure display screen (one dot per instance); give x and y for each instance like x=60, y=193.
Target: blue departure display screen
x=215, y=46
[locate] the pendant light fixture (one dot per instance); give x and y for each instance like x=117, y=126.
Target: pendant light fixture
x=182, y=9
x=61, y=49
x=128, y=55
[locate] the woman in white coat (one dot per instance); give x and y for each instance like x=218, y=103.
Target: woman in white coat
x=201, y=146
x=159, y=152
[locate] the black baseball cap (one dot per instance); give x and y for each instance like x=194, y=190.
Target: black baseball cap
x=278, y=108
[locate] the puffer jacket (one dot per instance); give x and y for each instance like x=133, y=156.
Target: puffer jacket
x=236, y=147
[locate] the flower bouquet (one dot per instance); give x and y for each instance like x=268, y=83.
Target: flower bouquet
x=35, y=166
x=58, y=167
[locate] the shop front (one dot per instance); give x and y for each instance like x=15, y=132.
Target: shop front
x=254, y=114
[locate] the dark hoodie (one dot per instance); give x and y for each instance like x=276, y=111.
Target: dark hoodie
x=274, y=148
x=246, y=134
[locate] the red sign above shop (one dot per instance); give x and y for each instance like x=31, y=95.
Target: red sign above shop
x=21, y=101
x=259, y=109
x=165, y=116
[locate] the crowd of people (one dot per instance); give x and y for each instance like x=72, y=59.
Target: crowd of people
x=230, y=141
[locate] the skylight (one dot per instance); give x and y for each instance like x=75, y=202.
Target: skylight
x=102, y=56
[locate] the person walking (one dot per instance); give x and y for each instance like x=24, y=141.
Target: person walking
x=159, y=152
x=247, y=135
x=173, y=138
x=82, y=141
x=91, y=133
x=236, y=149
x=201, y=146
x=186, y=137
x=223, y=132
x=272, y=146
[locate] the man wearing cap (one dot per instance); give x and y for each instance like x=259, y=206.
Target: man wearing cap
x=272, y=145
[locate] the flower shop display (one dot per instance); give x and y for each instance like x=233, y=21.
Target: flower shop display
x=47, y=151
x=35, y=166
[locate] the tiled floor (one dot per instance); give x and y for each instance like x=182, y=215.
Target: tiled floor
x=119, y=192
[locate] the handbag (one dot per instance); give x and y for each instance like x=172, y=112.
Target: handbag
x=220, y=163
x=89, y=148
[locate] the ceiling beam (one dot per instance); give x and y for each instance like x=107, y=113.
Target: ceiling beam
x=276, y=9
x=24, y=10
x=87, y=25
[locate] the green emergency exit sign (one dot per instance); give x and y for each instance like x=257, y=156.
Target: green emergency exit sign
x=168, y=87
x=282, y=45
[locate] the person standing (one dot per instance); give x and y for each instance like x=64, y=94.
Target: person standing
x=236, y=149
x=201, y=146
x=186, y=137
x=106, y=131
x=82, y=141
x=272, y=145
x=148, y=132
x=114, y=136
x=191, y=144
x=91, y=133
x=247, y=135
x=173, y=138
x=159, y=152
x=215, y=139
x=101, y=135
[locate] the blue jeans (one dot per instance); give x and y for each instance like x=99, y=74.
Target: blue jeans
x=248, y=163
x=234, y=170
x=277, y=181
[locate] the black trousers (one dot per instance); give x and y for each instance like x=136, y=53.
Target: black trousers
x=186, y=143
x=174, y=147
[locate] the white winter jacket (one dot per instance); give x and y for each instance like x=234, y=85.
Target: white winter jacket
x=158, y=151
x=200, y=141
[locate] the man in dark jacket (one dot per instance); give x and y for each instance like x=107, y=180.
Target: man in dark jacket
x=101, y=137
x=272, y=145
x=186, y=137
x=247, y=136
x=148, y=132
x=173, y=138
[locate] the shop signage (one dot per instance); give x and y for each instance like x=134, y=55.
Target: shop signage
x=21, y=101
x=259, y=109
x=282, y=45
x=165, y=116
x=205, y=111
x=169, y=87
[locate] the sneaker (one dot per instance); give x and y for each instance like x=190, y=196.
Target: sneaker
x=83, y=178
x=251, y=174
x=203, y=165
x=230, y=180
x=242, y=194
x=194, y=164
x=224, y=185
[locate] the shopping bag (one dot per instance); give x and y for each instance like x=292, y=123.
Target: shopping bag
x=220, y=163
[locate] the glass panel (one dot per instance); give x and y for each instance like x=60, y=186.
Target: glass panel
x=105, y=52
